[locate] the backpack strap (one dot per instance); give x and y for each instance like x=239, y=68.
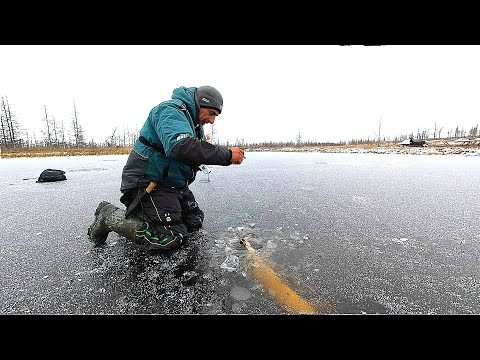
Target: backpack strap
x=158, y=148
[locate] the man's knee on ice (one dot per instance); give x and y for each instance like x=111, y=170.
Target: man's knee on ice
x=151, y=239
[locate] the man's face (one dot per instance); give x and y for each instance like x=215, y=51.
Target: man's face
x=207, y=116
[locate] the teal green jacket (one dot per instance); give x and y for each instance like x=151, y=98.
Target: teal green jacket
x=176, y=146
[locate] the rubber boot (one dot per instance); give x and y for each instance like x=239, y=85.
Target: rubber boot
x=109, y=217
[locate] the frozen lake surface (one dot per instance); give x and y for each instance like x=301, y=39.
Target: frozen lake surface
x=367, y=233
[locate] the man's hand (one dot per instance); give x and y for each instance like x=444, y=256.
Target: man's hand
x=237, y=155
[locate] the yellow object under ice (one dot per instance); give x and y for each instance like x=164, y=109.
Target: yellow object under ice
x=276, y=287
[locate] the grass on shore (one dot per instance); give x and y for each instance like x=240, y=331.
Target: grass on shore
x=67, y=151
x=87, y=151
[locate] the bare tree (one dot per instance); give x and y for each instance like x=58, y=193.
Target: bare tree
x=4, y=126
x=239, y=142
x=48, y=133
x=299, y=138
x=62, y=135
x=424, y=135
x=379, y=127
x=111, y=140
x=54, y=132
x=473, y=131
x=124, y=137
x=215, y=137
x=10, y=130
x=27, y=142
x=135, y=135
x=78, y=134
x=457, y=132
x=34, y=139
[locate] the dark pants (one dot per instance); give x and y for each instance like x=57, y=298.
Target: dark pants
x=170, y=214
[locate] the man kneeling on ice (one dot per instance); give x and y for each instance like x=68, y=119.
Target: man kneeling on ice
x=161, y=209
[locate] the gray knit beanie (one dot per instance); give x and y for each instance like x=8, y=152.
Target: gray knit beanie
x=209, y=97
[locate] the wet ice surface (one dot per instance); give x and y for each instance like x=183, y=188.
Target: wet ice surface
x=368, y=233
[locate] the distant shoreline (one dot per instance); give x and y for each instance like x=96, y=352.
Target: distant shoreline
x=466, y=150
x=413, y=150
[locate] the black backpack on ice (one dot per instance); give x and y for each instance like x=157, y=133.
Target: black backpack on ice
x=49, y=175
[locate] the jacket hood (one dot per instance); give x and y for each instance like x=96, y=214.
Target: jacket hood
x=187, y=96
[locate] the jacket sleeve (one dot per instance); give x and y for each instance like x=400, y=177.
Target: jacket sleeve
x=171, y=126
x=194, y=152
x=181, y=144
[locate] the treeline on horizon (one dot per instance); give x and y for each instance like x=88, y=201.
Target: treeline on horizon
x=56, y=135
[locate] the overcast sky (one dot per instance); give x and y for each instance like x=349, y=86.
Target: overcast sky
x=271, y=92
